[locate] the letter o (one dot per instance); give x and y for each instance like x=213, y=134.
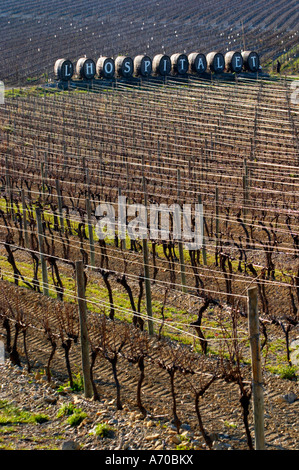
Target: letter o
x=105, y=67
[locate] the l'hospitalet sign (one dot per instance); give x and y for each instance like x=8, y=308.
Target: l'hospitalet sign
x=160, y=65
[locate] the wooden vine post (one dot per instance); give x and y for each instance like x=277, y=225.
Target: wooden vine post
x=88, y=390
x=24, y=218
x=147, y=280
x=59, y=200
x=180, y=242
x=10, y=209
x=41, y=249
x=245, y=191
x=122, y=216
x=43, y=187
x=217, y=216
x=90, y=233
x=204, y=251
x=257, y=378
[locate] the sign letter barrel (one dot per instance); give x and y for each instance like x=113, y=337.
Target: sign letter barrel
x=86, y=68
x=161, y=65
x=124, y=66
x=197, y=63
x=142, y=66
x=105, y=67
x=251, y=61
x=63, y=69
x=234, y=61
x=179, y=64
x=216, y=62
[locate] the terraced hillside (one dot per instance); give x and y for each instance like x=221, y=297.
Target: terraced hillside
x=35, y=33
x=167, y=335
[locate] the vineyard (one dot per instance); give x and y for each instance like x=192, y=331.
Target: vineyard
x=157, y=305
x=36, y=34
x=153, y=335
